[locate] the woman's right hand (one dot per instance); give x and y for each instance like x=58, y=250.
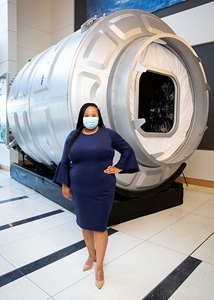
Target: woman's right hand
x=66, y=191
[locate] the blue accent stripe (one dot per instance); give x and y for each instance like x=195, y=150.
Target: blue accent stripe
x=174, y=280
x=44, y=261
x=13, y=199
x=31, y=219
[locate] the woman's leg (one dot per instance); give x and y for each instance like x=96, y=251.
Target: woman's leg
x=88, y=236
x=101, y=241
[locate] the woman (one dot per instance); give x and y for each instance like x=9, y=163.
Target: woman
x=88, y=178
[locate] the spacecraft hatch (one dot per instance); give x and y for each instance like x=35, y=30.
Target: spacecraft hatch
x=148, y=83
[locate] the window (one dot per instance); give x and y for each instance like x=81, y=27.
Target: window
x=157, y=103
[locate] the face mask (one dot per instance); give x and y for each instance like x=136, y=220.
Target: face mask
x=90, y=122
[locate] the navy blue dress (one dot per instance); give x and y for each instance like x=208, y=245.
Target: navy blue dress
x=83, y=170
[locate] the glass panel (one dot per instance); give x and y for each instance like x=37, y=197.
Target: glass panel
x=156, y=102
x=3, y=116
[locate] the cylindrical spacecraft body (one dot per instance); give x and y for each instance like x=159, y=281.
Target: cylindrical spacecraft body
x=148, y=83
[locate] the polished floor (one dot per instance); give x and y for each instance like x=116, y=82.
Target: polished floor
x=166, y=255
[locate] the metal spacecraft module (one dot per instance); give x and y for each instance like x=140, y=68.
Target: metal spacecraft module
x=148, y=83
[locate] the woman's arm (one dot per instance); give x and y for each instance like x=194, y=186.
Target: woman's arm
x=112, y=170
x=127, y=162
x=66, y=191
x=61, y=175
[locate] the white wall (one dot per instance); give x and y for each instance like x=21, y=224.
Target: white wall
x=42, y=24
x=8, y=33
x=62, y=19
x=201, y=165
x=3, y=36
x=34, y=28
x=196, y=27
x=8, y=58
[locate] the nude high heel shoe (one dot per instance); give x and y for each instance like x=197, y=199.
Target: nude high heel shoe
x=87, y=267
x=99, y=283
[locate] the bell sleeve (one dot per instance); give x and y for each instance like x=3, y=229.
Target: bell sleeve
x=61, y=174
x=127, y=162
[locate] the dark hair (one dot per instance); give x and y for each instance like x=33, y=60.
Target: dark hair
x=79, y=126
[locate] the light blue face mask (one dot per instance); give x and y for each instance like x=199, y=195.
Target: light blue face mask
x=90, y=122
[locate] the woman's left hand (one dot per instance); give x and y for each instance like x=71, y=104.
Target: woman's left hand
x=112, y=170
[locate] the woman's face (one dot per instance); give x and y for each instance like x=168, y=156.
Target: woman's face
x=91, y=112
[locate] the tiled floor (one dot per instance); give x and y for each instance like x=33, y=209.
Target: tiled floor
x=166, y=255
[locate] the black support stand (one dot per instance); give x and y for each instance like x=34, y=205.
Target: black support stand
x=124, y=208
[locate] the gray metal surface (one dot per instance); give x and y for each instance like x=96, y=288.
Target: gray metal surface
x=100, y=63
